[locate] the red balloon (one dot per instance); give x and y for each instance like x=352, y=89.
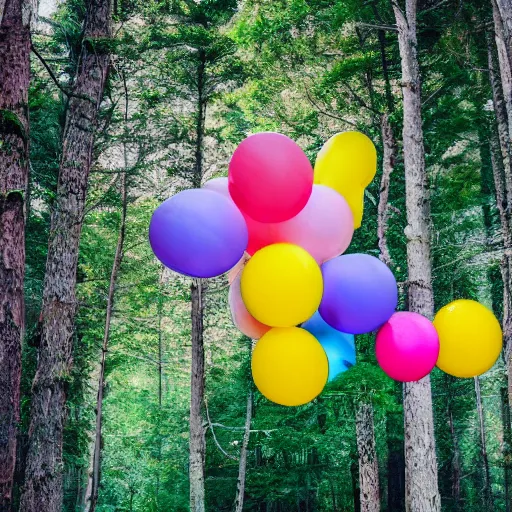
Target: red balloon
x=270, y=177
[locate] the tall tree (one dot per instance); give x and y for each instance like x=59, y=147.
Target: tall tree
x=501, y=84
x=242, y=465
x=421, y=488
x=368, y=465
x=95, y=475
x=15, y=16
x=487, y=496
x=43, y=481
x=197, y=440
x=502, y=15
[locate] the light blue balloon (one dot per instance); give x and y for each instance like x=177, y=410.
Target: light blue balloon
x=339, y=346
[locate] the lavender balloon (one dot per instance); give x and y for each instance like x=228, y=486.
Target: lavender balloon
x=360, y=293
x=198, y=233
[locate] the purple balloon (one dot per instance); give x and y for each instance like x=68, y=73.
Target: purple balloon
x=199, y=233
x=360, y=293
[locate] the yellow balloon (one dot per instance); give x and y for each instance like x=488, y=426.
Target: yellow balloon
x=289, y=366
x=347, y=163
x=281, y=285
x=470, y=338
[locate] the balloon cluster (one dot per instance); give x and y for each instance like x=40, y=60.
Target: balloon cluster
x=281, y=229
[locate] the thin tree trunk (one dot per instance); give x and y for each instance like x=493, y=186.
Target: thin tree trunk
x=388, y=164
x=507, y=450
x=197, y=440
x=95, y=476
x=242, y=467
x=43, y=483
x=421, y=486
x=368, y=465
x=14, y=166
x=160, y=391
x=489, y=504
x=456, y=458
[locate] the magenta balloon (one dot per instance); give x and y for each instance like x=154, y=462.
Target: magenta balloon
x=198, y=233
x=407, y=346
x=360, y=293
x=241, y=317
x=270, y=177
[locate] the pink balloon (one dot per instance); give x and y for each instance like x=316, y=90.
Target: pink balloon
x=270, y=177
x=407, y=346
x=324, y=227
x=241, y=317
x=219, y=185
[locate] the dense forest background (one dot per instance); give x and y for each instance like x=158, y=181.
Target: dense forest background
x=106, y=110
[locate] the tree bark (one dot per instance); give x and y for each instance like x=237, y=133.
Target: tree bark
x=14, y=164
x=502, y=173
x=368, y=465
x=197, y=432
x=506, y=449
x=421, y=485
x=388, y=164
x=502, y=16
x=242, y=467
x=488, y=499
x=43, y=483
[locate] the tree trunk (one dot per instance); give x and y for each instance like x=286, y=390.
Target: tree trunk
x=421, y=486
x=368, y=465
x=95, y=476
x=502, y=172
x=456, y=458
x=197, y=441
x=388, y=164
x=507, y=444
x=43, y=483
x=242, y=467
x=197, y=432
x=488, y=499
x=160, y=390
x=502, y=16
x=14, y=163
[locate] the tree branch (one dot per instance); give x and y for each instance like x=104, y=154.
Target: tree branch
x=210, y=426
x=327, y=113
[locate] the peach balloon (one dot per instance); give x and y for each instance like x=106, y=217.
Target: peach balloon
x=235, y=271
x=244, y=321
